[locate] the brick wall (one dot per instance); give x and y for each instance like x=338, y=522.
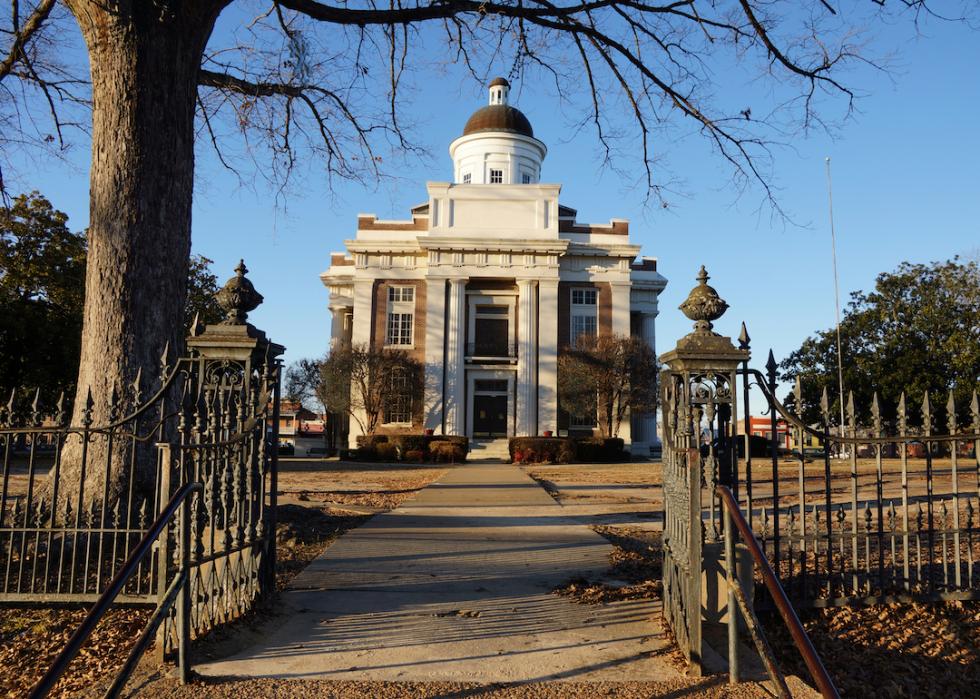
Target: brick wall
x=379, y=323
x=604, y=300
x=604, y=324
x=379, y=326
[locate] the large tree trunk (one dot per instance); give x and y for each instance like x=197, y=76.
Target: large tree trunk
x=144, y=61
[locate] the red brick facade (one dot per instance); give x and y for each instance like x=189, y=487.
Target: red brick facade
x=379, y=326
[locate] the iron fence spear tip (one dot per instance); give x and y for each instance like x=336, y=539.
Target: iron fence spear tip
x=771, y=365
x=743, y=337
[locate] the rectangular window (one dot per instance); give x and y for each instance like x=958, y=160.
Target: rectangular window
x=467, y=178
x=582, y=423
x=526, y=178
x=401, y=293
x=583, y=297
x=584, y=316
x=399, y=329
x=490, y=386
x=401, y=315
x=496, y=176
x=491, y=332
x=398, y=405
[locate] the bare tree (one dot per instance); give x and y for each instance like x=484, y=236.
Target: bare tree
x=311, y=76
x=607, y=376
x=361, y=381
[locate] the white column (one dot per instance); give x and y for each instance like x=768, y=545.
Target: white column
x=621, y=326
x=362, y=321
x=455, y=358
x=548, y=355
x=527, y=357
x=621, y=308
x=435, y=358
x=337, y=316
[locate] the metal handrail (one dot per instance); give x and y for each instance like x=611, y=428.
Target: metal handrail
x=177, y=588
x=737, y=596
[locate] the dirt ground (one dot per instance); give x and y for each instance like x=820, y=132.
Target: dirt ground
x=319, y=500
x=880, y=651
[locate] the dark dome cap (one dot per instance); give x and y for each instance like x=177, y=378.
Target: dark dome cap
x=499, y=81
x=498, y=117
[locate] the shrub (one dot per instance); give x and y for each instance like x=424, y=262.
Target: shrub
x=415, y=456
x=364, y=454
x=445, y=452
x=387, y=452
x=462, y=442
x=371, y=440
x=601, y=449
x=408, y=442
x=536, y=450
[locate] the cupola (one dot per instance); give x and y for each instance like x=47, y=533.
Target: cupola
x=498, y=144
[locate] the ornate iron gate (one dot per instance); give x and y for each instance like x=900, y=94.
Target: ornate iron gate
x=212, y=418
x=874, y=512
x=699, y=413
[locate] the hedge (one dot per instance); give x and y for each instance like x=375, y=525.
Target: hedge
x=536, y=450
x=413, y=448
x=563, y=450
x=601, y=449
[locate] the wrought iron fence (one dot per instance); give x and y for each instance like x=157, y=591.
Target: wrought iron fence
x=874, y=513
x=76, y=499
x=878, y=512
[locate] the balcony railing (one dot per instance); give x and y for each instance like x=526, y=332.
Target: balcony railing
x=491, y=350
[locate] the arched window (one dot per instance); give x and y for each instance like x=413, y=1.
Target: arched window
x=399, y=399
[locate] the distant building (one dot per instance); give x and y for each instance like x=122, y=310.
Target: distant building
x=296, y=421
x=485, y=284
x=762, y=427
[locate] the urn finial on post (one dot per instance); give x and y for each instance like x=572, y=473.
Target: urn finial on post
x=703, y=305
x=703, y=347
x=234, y=338
x=238, y=297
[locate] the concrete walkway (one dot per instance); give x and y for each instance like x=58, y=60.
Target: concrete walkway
x=456, y=585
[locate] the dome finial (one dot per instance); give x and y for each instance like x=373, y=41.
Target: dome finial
x=499, y=89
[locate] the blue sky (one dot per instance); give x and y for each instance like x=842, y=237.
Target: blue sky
x=906, y=187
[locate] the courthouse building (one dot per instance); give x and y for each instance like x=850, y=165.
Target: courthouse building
x=486, y=283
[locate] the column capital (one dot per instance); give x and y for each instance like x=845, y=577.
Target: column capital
x=456, y=281
x=527, y=283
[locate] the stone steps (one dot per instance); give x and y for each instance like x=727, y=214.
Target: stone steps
x=489, y=449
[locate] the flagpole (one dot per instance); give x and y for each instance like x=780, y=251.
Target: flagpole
x=833, y=251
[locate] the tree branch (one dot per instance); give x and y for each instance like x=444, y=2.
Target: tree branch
x=23, y=34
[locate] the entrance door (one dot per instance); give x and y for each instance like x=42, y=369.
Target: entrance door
x=489, y=416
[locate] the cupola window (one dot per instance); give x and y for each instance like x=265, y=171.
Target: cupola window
x=496, y=176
